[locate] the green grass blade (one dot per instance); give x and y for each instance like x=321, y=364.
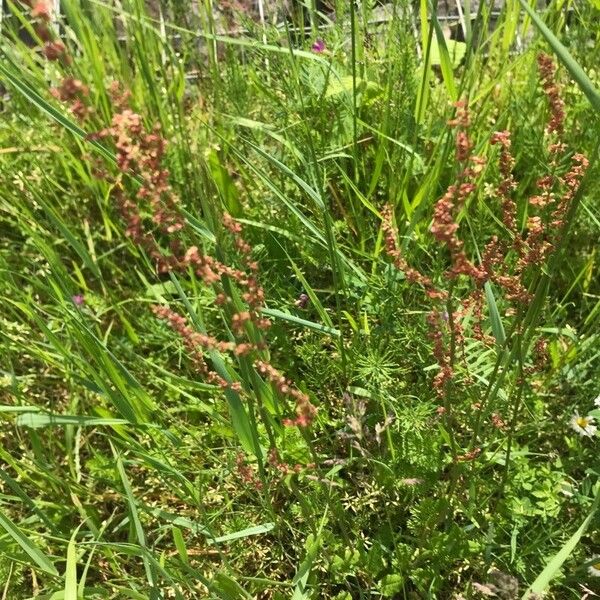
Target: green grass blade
x=71, y=570
x=137, y=524
x=180, y=546
x=578, y=74
x=81, y=250
x=34, y=552
x=227, y=588
x=314, y=195
x=19, y=409
x=313, y=545
x=495, y=318
x=278, y=314
x=540, y=585
x=236, y=535
x=18, y=490
x=38, y=420
x=425, y=69
x=445, y=62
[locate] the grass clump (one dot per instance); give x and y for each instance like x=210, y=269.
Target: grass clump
x=298, y=315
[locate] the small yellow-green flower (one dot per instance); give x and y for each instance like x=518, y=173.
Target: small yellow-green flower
x=584, y=426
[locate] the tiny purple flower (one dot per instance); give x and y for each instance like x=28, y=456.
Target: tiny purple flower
x=78, y=299
x=302, y=301
x=319, y=46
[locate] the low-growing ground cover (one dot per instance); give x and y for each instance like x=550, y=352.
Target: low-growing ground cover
x=299, y=315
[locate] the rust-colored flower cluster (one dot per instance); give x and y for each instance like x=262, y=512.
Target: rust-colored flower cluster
x=502, y=263
x=305, y=410
x=41, y=14
x=283, y=468
x=469, y=456
x=194, y=343
x=412, y=275
x=444, y=226
x=140, y=155
x=211, y=271
x=495, y=264
x=73, y=92
x=497, y=421
x=571, y=181
x=246, y=473
x=508, y=183
x=437, y=326
x=555, y=193
x=547, y=70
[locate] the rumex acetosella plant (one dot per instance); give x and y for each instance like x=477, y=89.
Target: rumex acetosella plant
x=507, y=273
x=154, y=222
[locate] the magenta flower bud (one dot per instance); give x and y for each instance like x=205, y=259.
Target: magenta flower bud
x=319, y=46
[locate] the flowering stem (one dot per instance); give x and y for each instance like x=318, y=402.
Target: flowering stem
x=520, y=383
x=503, y=359
x=525, y=325
x=448, y=385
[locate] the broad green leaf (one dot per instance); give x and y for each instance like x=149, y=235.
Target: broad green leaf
x=236, y=535
x=443, y=58
x=367, y=89
x=454, y=50
x=392, y=585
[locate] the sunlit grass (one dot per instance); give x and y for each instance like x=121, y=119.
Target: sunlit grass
x=133, y=468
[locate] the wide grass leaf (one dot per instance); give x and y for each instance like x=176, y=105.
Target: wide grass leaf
x=71, y=570
x=37, y=420
x=495, y=318
x=236, y=535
